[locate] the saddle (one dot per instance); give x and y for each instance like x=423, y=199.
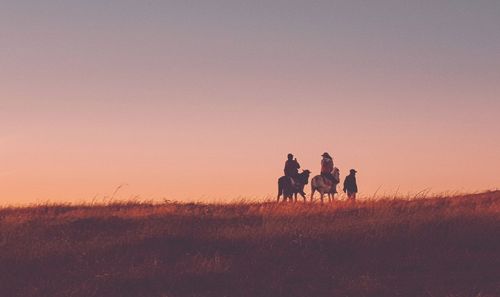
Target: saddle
x=327, y=181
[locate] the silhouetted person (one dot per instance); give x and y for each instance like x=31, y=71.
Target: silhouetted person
x=291, y=167
x=350, y=185
x=327, y=167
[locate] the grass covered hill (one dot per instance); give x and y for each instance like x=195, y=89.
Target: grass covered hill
x=444, y=246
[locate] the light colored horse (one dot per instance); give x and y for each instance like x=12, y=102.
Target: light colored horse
x=325, y=186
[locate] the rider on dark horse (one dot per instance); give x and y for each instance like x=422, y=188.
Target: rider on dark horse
x=292, y=168
x=293, y=181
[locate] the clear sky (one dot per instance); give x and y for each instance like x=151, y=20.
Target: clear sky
x=193, y=100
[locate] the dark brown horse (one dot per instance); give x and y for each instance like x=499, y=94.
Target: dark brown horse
x=290, y=189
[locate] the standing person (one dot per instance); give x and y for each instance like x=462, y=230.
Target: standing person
x=350, y=185
x=291, y=167
x=327, y=166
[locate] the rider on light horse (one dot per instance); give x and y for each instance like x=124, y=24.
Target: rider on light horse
x=328, y=171
x=326, y=183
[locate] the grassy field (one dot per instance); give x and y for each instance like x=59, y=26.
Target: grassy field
x=443, y=246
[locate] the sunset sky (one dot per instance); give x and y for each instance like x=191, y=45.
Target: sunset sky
x=202, y=100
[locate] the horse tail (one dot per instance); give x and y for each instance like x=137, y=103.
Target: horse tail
x=280, y=189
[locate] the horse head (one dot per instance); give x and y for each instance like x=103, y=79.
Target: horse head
x=304, y=176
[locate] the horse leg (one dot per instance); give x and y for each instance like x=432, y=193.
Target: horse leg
x=295, y=196
x=322, y=194
x=303, y=195
x=312, y=193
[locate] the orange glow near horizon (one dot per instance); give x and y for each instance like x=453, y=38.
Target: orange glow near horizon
x=85, y=156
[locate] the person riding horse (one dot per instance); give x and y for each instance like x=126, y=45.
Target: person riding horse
x=326, y=183
x=293, y=182
x=327, y=167
x=292, y=167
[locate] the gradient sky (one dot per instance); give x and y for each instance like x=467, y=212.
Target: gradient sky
x=193, y=100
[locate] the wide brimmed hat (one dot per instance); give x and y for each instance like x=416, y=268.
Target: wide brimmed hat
x=326, y=155
x=352, y=171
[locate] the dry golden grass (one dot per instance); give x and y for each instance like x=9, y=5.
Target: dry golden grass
x=443, y=246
